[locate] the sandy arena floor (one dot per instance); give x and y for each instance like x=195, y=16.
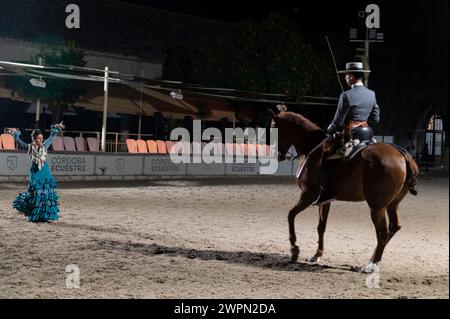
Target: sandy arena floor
x=217, y=239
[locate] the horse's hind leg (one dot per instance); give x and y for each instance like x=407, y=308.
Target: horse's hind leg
x=379, y=220
x=323, y=216
x=304, y=201
x=394, y=220
x=392, y=210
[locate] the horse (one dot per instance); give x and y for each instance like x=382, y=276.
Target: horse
x=380, y=174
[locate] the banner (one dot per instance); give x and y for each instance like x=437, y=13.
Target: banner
x=71, y=164
x=242, y=169
x=119, y=165
x=14, y=164
x=285, y=168
x=162, y=165
x=206, y=169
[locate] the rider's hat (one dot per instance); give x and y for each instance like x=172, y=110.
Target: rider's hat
x=354, y=67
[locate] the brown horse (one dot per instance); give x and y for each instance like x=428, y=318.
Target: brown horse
x=380, y=174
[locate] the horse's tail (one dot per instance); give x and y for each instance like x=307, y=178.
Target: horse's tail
x=412, y=169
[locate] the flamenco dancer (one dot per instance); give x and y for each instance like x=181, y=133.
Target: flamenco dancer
x=40, y=202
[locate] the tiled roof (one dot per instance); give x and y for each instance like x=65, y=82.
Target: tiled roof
x=105, y=25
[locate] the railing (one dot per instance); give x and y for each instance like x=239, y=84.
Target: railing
x=115, y=141
x=430, y=148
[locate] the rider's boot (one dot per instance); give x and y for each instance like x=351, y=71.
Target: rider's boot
x=325, y=196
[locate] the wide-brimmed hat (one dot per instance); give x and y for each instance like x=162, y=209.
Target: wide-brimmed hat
x=354, y=67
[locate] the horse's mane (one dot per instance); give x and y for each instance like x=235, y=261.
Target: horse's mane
x=309, y=134
x=301, y=121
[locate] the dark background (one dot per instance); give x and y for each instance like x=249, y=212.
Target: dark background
x=409, y=67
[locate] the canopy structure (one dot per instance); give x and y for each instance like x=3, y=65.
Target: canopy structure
x=130, y=100
x=127, y=94
x=135, y=100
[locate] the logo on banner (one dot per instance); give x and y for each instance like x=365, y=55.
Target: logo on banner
x=11, y=162
x=120, y=164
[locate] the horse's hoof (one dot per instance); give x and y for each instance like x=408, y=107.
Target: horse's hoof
x=314, y=259
x=295, y=251
x=370, y=268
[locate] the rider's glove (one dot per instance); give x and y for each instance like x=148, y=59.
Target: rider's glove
x=331, y=129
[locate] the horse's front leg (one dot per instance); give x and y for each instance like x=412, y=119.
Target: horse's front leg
x=323, y=216
x=305, y=200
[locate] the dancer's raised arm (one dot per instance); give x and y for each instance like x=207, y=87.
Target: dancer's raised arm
x=55, y=129
x=16, y=134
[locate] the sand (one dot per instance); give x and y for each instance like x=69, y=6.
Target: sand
x=217, y=239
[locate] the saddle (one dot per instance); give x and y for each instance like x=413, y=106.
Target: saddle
x=360, y=137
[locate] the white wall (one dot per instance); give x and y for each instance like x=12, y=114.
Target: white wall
x=16, y=163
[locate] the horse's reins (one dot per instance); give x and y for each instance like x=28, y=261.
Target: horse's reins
x=292, y=158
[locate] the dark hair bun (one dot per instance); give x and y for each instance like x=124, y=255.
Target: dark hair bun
x=35, y=133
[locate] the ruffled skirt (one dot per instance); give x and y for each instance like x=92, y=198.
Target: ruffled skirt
x=40, y=202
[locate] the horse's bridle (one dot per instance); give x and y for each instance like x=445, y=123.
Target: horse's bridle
x=282, y=157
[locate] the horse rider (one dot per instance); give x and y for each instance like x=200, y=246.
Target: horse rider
x=356, y=107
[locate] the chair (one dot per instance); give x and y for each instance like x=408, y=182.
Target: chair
x=220, y=148
x=196, y=148
x=152, y=147
x=229, y=149
x=131, y=145
x=182, y=148
x=234, y=149
x=162, y=149
x=244, y=148
x=170, y=147
x=69, y=143
x=263, y=150
x=237, y=149
x=80, y=143
x=58, y=144
x=8, y=142
x=211, y=147
x=141, y=146
x=216, y=149
x=92, y=143
x=251, y=150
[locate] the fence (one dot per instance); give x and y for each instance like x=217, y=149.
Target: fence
x=115, y=142
x=86, y=166
x=430, y=146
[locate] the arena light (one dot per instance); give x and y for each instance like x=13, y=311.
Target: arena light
x=38, y=83
x=176, y=95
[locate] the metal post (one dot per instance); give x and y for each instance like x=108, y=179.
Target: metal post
x=139, y=125
x=366, y=52
x=117, y=140
x=38, y=102
x=105, y=110
x=234, y=120
x=140, y=107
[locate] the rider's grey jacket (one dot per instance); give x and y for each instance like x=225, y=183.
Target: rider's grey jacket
x=357, y=104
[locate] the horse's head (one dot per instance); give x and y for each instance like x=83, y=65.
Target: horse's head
x=294, y=129
x=284, y=133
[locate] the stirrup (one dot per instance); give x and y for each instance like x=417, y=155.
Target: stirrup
x=319, y=201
